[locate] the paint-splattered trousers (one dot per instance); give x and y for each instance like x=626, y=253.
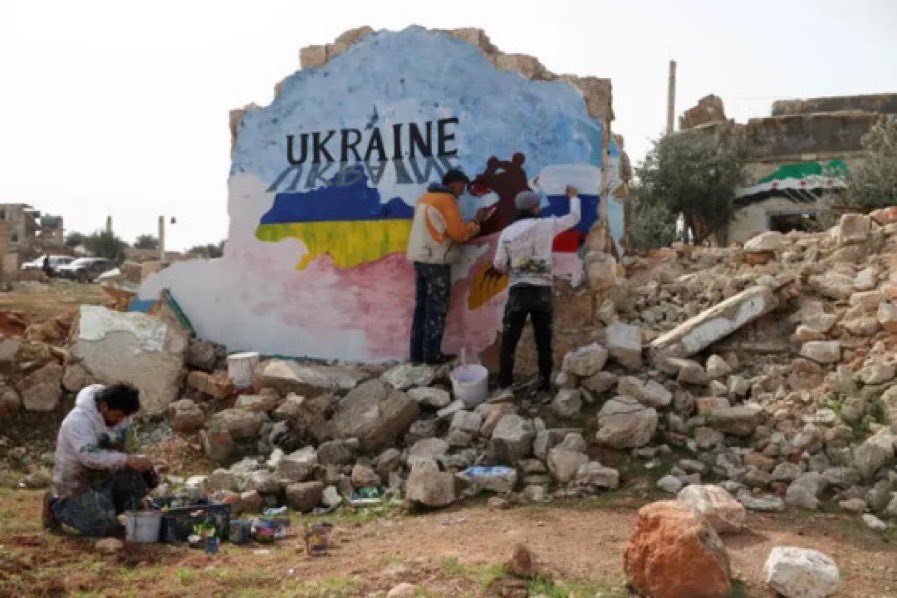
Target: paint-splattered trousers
x=92, y=512
x=535, y=302
x=433, y=283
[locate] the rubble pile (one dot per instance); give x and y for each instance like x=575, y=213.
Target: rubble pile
x=768, y=369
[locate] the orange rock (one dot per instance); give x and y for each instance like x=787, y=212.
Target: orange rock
x=674, y=554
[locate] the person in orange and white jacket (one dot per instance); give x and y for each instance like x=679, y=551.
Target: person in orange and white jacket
x=437, y=231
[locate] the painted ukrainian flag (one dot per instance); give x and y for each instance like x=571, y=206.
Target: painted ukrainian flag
x=349, y=223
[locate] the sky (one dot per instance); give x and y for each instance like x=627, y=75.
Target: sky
x=120, y=109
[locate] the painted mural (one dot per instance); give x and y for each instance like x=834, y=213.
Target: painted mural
x=323, y=184
x=803, y=182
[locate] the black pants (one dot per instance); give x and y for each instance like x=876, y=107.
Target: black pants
x=433, y=284
x=92, y=512
x=535, y=302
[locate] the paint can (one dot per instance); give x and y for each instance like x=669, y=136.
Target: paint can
x=317, y=538
x=213, y=544
x=142, y=526
x=239, y=531
x=240, y=367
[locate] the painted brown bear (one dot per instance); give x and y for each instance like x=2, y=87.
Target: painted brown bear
x=506, y=179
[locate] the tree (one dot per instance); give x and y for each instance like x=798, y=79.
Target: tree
x=873, y=182
x=693, y=174
x=208, y=251
x=74, y=239
x=106, y=244
x=146, y=242
x=651, y=223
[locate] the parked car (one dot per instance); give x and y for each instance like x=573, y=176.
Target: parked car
x=56, y=261
x=85, y=269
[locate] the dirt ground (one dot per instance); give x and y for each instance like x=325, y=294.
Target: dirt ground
x=456, y=552
x=42, y=301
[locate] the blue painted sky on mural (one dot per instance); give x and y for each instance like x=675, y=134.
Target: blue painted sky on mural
x=121, y=108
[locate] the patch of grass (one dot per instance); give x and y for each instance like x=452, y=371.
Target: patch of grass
x=330, y=587
x=739, y=589
x=186, y=576
x=483, y=574
x=575, y=588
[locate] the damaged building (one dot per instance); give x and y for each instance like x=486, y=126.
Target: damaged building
x=324, y=180
x=798, y=157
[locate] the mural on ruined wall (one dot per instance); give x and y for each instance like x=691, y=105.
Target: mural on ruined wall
x=323, y=184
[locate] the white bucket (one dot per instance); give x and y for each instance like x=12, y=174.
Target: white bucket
x=470, y=383
x=142, y=526
x=240, y=367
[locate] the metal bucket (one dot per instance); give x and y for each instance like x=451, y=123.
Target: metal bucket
x=142, y=526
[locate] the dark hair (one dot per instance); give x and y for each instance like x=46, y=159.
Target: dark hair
x=454, y=175
x=122, y=396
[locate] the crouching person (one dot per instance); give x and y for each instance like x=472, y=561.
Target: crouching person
x=94, y=475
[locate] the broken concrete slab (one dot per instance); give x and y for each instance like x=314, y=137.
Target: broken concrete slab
x=286, y=376
x=132, y=347
x=714, y=324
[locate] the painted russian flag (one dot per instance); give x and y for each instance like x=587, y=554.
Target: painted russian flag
x=553, y=181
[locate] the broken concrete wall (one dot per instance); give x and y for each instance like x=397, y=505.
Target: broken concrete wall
x=324, y=181
x=884, y=103
x=135, y=348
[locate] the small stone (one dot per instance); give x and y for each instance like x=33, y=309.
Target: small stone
x=822, y=351
x=109, y=545
x=567, y=403
x=402, y=590
x=852, y=505
x=522, y=562
x=874, y=523
x=406, y=375
x=585, y=361
x=304, y=496
x=717, y=367
x=669, y=483
x=648, y=393
x=623, y=422
x=595, y=475
x=624, y=344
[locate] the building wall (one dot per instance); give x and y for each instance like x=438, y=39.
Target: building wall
x=314, y=264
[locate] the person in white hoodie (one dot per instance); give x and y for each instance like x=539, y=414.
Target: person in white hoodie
x=94, y=476
x=524, y=252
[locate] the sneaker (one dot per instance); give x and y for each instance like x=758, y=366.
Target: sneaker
x=47, y=515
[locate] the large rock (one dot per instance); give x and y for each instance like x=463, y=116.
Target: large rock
x=239, y=423
x=374, y=414
x=428, y=449
x=822, y=351
x=436, y=398
x=216, y=384
x=800, y=573
x=716, y=323
x=512, y=439
x=304, y=496
x=286, y=376
x=41, y=389
x=624, y=344
x=596, y=475
x=765, y=242
x=873, y=454
x=201, y=355
x=564, y=464
x=407, y=375
x=585, y=361
x=715, y=506
x=567, y=403
x=133, y=347
x=854, y=228
x=650, y=393
x=832, y=285
x=186, y=416
x=10, y=401
x=338, y=452
x=740, y=420
x=675, y=554
x=429, y=486
x=298, y=466
x=887, y=316
x=889, y=403
x=623, y=422
x=306, y=415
